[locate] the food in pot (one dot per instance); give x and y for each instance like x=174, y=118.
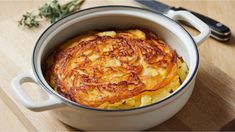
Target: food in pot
x=115, y=69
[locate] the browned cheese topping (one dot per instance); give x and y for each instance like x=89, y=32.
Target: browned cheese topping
x=110, y=66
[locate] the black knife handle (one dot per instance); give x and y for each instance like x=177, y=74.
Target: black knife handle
x=218, y=31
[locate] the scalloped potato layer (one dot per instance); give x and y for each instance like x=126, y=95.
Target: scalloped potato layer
x=115, y=69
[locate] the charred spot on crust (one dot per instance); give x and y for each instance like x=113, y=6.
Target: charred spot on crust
x=171, y=91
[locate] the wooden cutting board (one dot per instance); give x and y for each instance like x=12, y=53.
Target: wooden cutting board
x=211, y=107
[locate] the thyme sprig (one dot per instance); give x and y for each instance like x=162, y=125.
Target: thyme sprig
x=52, y=12
x=29, y=20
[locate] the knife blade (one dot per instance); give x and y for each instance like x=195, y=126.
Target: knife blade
x=219, y=31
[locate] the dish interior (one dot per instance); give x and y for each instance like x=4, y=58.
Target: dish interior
x=119, y=69
x=76, y=24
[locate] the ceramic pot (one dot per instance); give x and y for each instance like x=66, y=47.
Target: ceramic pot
x=117, y=17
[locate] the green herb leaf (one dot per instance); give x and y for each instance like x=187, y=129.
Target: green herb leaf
x=52, y=12
x=55, y=11
x=28, y=20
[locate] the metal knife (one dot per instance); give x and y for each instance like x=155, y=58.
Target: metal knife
x=219, y=31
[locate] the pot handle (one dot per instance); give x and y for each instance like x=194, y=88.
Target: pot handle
x=50, y=103
x=194, y=21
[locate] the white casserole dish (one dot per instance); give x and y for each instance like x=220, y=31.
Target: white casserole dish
x=118, y=17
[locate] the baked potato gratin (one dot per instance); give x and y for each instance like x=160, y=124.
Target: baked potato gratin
x=115, y=69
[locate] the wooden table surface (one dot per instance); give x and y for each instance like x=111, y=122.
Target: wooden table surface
x=212, y=106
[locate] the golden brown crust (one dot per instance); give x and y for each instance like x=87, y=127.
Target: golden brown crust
x=93, y=69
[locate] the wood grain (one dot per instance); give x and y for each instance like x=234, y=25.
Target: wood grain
x=211, y=107
x=8, y=118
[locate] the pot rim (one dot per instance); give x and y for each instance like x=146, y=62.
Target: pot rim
x=74, y=104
